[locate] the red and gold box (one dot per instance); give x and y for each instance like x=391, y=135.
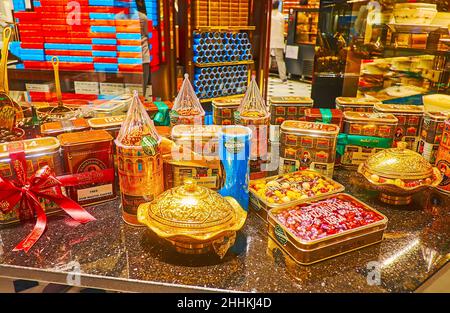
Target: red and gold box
x=89, y=154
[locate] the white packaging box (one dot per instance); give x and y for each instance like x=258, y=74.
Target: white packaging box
x=38, y=87
x=87, y=88
x=112, y=89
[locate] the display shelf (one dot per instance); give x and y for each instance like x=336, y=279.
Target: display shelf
x=224, y=63
x=221, y=98
x=398, y=52
x=416, y=29
x=225, y=28
x=115, y=256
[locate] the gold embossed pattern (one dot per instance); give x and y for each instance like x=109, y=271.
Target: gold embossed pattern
x=199, y=208
x=399, y=163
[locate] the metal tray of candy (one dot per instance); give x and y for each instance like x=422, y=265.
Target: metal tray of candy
x=349, y=225
x=261, y=204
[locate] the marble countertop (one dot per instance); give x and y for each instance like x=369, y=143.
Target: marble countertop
x=110, y=254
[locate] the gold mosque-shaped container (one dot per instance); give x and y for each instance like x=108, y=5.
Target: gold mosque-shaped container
x=398, y=173
x=194, y=219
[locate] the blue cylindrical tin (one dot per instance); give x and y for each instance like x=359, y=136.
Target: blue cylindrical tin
x=234, y=153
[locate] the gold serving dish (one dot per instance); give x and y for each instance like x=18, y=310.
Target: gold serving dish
x=194, y=219
x=398, y=173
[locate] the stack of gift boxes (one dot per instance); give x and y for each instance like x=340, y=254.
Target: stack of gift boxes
x=100, y=35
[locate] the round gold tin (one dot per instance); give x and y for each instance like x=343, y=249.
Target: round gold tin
x=398, y=173
x=194, y=219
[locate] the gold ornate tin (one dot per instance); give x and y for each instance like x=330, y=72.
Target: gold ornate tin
x=409, y=122
x=398, y=173
x=308, y=145
x=306, y=252
x=194, y=219
x=352, y=104
x=223, y=110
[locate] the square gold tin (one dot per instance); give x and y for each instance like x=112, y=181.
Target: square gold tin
x=223, y=111
x=39, y=152
x=431, y=134
x=309, y=252
x=352, y=104
x=286, y=108
x=64, y=126
x=409, y=122
x=90, y=151
x=370, y=124
x=261, y=207
x=204, y=141
x=308, y=145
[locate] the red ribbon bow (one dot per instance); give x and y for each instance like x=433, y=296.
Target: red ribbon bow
x=43, y=184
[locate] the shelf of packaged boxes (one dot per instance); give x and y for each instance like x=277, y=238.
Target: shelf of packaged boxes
x=48, y=75
x=222, y=98
x=224, y=63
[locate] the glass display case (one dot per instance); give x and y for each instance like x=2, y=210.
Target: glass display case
x=394, y=51
x=301, y=39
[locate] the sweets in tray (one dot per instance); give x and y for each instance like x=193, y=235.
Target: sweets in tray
x=321, y=229
x=288, y=190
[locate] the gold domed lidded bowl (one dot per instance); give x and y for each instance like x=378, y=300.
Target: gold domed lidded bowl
x=194, y=219
x=399, y=173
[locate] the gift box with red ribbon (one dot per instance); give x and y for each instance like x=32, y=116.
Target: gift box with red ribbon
x=23, y=194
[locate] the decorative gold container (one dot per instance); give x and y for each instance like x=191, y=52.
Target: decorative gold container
x=194, y=219
x=399, y=173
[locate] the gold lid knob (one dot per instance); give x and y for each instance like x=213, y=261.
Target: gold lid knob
x=190, y=185
x=402, y=145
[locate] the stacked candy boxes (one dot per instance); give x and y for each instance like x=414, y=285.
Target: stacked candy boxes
x=364, y=134
x=104, y=36
x=286, y=108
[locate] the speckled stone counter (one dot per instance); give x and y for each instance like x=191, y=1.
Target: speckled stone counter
x=112, y=255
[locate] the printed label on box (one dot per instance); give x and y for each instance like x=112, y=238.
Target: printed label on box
x=112, y=89
x=87, y=88
x=37, y=87
x=96, y=192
